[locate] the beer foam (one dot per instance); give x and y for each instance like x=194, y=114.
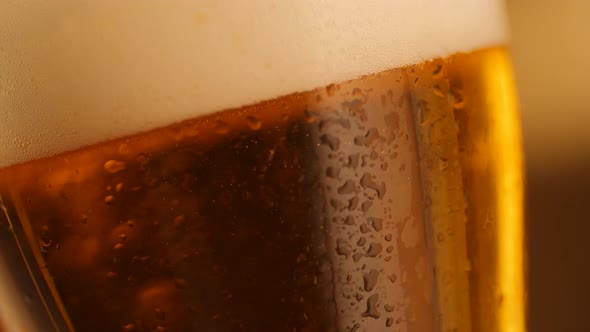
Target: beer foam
x=77, y=72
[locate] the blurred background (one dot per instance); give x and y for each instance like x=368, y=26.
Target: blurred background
x=551, y=54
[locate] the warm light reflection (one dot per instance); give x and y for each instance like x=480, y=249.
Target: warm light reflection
x=509, y=193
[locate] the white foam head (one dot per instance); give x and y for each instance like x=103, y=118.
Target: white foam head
x=76, y=72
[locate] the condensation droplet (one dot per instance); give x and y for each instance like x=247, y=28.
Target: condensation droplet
x=180, y=283
x=253, y=123
x=118, y=246
x=111, y=275
x=438, y=91
x=84, y=218
x=119, y=187
x=332, y=141
x=374, y=249
x=342, y=248
x=353, y=161
x=179, y=220
x=336, y=204
x=392, y=277
x=389, y=322
x=221, y=127
x=365, y=228
x=370, y=280
x=457, y=100
x=310, y=116
x=128, y=328
x=388, y=307
x=361, y=242
x=353, y=203
x=114, y=166
x=367, y=182
x=333, y=172
x=347, y=188
x=366, y=206
x=371, y=136
x=109, y=199
x=124, y=149
x=331, y=89
x=437, y=72
x=372, y=307
x=349, y=220
x=377, y=223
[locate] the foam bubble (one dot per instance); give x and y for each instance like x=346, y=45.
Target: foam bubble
x=75, y=72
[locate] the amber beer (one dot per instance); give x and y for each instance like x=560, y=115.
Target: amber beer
x=254, y=185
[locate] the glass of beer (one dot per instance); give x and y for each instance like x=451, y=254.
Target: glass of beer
x=291, y=165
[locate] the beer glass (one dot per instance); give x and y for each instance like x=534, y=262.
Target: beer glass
x=289, y=165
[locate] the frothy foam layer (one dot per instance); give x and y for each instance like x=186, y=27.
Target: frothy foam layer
x=77, y=72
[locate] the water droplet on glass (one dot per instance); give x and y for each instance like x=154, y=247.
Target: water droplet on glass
x=374, y=249
x=361, y=242
x=367, y=182
x=353, y=203
x=332, y=141
x=119, y=187
x=437, y=72
x=221, y=127
x=366, y=206
x=364, y=228
x=456, y=99
x=347, y=188
x=370, y=280
x=333, y=172
x=124, y=149
x=84, y=218
x=180, y=283
x=372, y=307
x=179, y=220
x=114, y=166
x=331, y=89
x=342, y=248
x=109, y=199
x=310, y=116
x=253, y=123
x=377, y=223
x=392, y=277
x=128, y=328
x=389, y=307
x=389, y=322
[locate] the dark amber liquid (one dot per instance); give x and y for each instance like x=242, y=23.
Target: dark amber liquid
x=338, y=209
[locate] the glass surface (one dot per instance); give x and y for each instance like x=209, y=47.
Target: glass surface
x=383, y=199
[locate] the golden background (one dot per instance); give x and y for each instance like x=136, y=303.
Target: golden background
x=551, y=55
